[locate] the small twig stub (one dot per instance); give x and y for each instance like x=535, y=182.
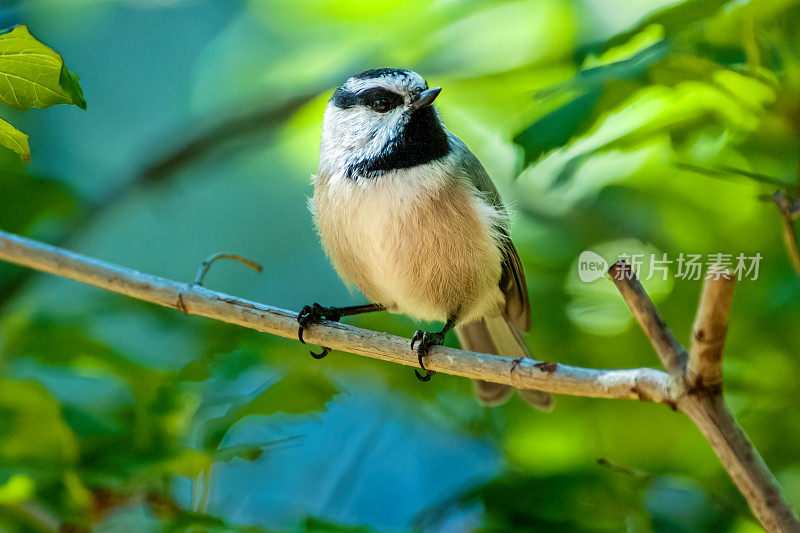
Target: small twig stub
x=206, y=265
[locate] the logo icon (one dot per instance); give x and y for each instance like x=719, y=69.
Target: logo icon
x=591, y=266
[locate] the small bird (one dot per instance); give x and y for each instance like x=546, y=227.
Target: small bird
x=407, y=213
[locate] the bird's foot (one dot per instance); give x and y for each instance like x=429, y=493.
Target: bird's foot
x=313, y=314
x=426, y=340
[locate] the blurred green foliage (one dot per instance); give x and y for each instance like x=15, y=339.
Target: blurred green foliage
x=637, y=126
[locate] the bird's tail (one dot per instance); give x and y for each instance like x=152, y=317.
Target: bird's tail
x=496, y=336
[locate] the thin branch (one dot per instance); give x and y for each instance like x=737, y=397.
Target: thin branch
x=203, y=270
x=710, y=328
x=611, y=465
x=637, y=384
x=741, y=460
x=673, y=356
x=789, y=211
x=724, y=172
x=705, y=406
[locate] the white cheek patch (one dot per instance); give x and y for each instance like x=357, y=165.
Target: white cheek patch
x=357, y=134
x=352, y=135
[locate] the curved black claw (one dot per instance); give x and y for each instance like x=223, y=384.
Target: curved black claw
x=427, y=377
x=426, y=340
x=325, y=351
x=313, y=314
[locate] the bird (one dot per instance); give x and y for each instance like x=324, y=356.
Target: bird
x=407, y=214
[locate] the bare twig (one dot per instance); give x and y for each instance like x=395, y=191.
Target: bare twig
x=705, y=406
x=710, y=328
x=724, y=172
x=201, y=273
x=611, y=465
x=637, y=384
x=673, y=356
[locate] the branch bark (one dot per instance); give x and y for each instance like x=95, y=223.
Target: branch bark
x=705, y=405
x=742, y=461
x=636, y=384
x=673, y=356
x=704, y=370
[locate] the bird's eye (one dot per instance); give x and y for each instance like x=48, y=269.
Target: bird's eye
x=381, y=105
x=379, y=99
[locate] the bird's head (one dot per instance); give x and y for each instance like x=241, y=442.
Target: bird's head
x=381, y=120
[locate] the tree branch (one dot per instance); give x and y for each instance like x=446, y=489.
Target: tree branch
x=742, y=461
x=704, y=405
x=637, y=384
x=710, y=328
x=673, y=356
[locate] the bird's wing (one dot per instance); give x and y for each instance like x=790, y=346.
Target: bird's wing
x=512, y=279
x=512, y=283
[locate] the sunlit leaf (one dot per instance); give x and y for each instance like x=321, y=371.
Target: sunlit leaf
x=674, y=19
x=648, y=37
x=558, y=127
x=15, y=140
x=19, y=488
x=34, y=75
x=601, y=86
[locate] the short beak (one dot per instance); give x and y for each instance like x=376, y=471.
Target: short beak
x=426, y=98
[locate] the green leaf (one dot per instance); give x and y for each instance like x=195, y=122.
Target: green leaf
x=597, y=88
x=34, y=75
x=18, y=489
x=558, y=127
x=30, y=200
x=15, y=140
x=71, y=83
x=32, y=427
x=674, y=19
x=648, y=37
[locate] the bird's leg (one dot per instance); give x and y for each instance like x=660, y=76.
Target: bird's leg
x=313, y=314
x=426, y=339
